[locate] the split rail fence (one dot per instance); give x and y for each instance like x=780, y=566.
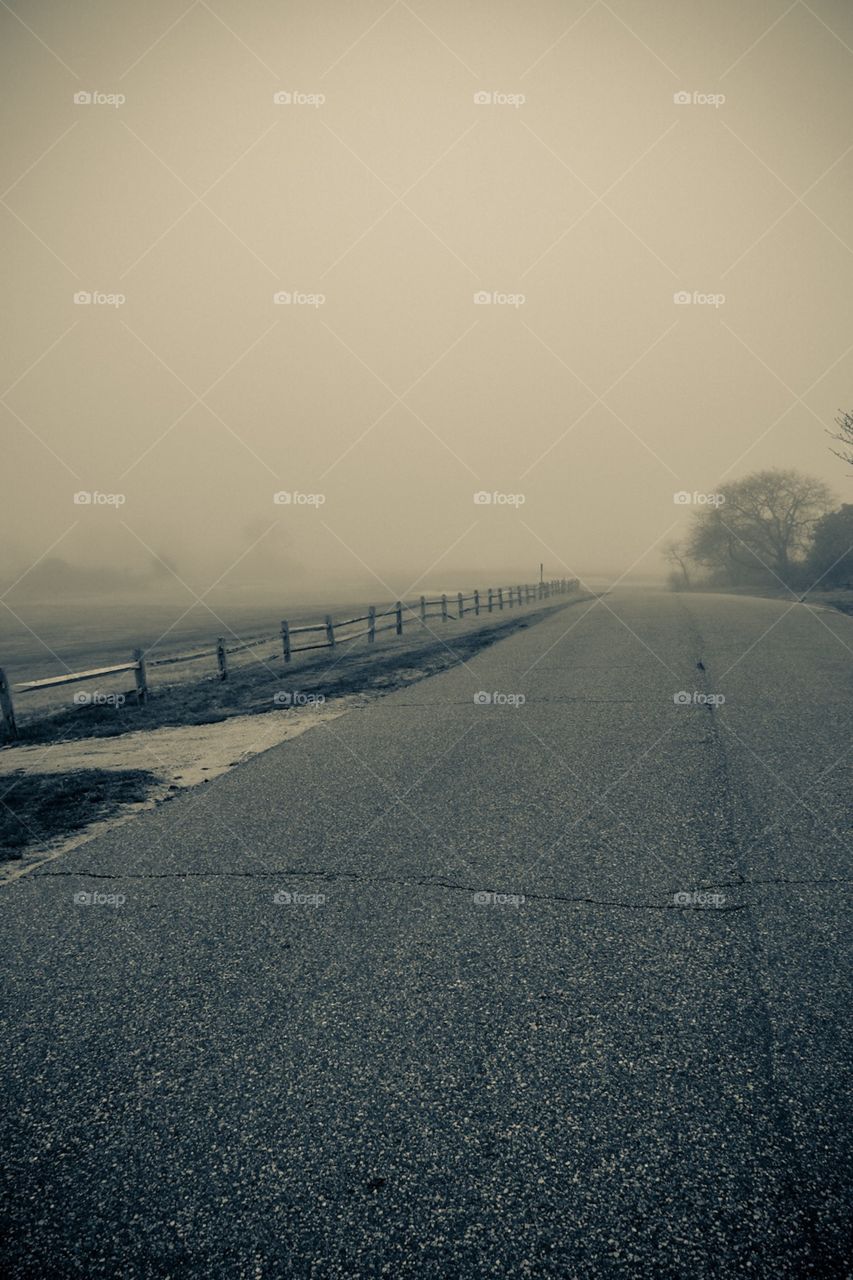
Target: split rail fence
x=446, y=607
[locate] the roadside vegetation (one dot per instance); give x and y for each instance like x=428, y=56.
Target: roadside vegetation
x=773, y=532
x=37, y=807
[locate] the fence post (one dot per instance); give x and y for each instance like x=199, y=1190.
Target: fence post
x=221, y=659
x=140, y=677
x=398, y=609
x=500, y=597
x=423, y=609
x=461, y=600
x=371, y=624
x=330, y=630
x=476, y=602
x=7, y=711
x=285, y=640
x=444, y=608
x=491, y=599
x=510, y=593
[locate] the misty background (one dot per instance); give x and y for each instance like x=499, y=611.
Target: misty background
x=397, y=198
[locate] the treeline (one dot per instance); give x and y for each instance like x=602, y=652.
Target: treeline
x=772, y=528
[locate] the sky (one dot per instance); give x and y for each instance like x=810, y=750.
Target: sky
x=477, y=220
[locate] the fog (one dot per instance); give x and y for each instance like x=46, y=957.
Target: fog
x=382, y=198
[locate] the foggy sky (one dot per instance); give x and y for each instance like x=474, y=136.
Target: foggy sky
x=399, y=397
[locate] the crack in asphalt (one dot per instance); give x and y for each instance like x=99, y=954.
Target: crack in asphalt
x=356, y=877
x=756, y=970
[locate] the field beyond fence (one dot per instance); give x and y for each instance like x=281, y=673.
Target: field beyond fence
x=290, y=641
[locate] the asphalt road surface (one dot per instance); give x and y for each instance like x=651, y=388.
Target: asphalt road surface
x=386, y=1074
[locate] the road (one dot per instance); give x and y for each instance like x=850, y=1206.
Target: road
x=387, y=1075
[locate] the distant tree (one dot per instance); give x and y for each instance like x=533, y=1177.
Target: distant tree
x=761, y=528
x=830, y=562
x=844, y=436
x=676, y=555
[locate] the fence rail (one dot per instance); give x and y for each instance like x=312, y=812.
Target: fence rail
x=493, y=598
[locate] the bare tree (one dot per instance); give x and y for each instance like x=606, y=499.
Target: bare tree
x=844, y=435
x=676, y=555
x=761, y=527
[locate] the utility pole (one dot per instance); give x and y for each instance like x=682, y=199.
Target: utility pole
x=541, y=574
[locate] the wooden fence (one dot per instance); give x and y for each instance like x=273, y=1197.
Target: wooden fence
x=446, y=607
